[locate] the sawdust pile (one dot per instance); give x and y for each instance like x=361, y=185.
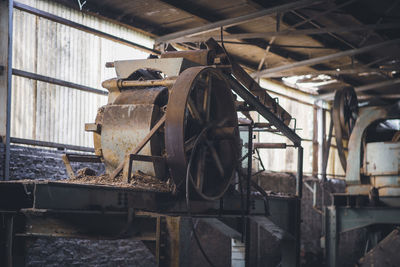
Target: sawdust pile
x=139, y=180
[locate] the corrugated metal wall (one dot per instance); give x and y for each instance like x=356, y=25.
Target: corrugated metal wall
x=286, y=160
x=47, y=112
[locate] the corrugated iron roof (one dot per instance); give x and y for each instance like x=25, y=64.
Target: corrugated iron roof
x=161, y=17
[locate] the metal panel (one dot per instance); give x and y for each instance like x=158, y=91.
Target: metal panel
x=54, y=113
x=6, y=39
x=382, y=158
x=124, y=126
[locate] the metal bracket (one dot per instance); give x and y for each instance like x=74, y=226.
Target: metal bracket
x=127, y=172
x=68, y=158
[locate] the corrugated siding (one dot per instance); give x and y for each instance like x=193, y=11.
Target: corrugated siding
x=286, y=159
x=47, y=112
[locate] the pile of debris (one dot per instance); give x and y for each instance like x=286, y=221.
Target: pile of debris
x=139, y=180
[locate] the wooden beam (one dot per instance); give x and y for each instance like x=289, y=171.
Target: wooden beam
x=317, y=60
x=376, y=85
x=366, y=87
x=262, y=35
x=330, y=72
x=6, y=30
x=235, y=21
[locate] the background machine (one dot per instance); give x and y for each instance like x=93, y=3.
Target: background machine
x=367, y=138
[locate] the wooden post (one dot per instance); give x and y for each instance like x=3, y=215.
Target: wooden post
x=6, y=19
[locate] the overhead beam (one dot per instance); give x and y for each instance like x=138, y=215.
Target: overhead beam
x=258, y=35
x=323, y=13
x=207, y=15
x=366, y=87
x=317, y=60
x=376, y=85
x=236, y=21
x=46, y=79
x=6, y=39
x=387, y=96
x=81, y=27
x=330, y=72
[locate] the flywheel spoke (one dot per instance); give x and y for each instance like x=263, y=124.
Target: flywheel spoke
x=201, y=169
x=189, y=144
x=194, y=111
x=207, y=98
x=216, y=158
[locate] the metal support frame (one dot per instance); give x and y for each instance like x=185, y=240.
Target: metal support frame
x=248, y=191
x=6, y=39
x=56, y=209
x=342, y=219
x=264, y=111
x=291, y=243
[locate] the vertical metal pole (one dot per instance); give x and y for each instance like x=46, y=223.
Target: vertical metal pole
x=249, y=172
x=326, y=151
x=331, y=236
x=299, y=193
x=9, y=240
x=249, y=167
x=6, y=28
x=321, y=133
x=299, y=180
x=315, y=142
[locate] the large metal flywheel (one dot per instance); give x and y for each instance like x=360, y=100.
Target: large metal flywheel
x=201, y=124
x=344, y=116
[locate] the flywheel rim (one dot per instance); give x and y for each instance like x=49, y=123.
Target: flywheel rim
x=201, y=98
x=344, y=116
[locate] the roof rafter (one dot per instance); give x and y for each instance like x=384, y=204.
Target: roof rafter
x=317, y=60
x=255, y=35
x=236, y=21
x=364, y=88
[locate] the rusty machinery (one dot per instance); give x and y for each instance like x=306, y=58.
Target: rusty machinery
x=368, y=145
x=172, y=119
x=159, y=108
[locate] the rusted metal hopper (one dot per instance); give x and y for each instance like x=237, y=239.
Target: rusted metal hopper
x=161, y=113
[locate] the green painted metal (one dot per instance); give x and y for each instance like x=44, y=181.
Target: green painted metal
x=342, y=219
